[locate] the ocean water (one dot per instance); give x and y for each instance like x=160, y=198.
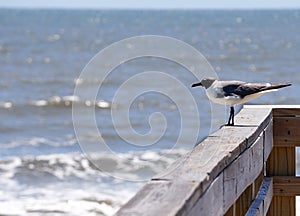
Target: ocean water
x=43, y=170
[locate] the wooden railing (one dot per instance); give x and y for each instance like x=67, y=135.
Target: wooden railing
x=246, y=169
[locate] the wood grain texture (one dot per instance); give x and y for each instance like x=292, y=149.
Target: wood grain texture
x=219, y=149
x=211, y=202
x=266, y=193
x=286, y=131
x=282, y=206
x=286, y=186
x=256, y=208
x=230, y=186
x=243, y=172
x=292, y=111
x=253, y=117
x=256, y=152
x=281, y=162
x=162, y=198
x=211, y=156
x=249, y=166
x=258, y=182
x=268, y=140
x=244, y=201
x=231, y=211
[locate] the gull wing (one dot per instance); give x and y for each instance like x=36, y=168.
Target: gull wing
x=242, y=89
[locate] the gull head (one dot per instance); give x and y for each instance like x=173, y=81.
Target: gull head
x=206, y=82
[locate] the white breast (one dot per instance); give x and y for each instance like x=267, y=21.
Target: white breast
x=214, y=94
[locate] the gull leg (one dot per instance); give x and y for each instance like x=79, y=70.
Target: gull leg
x=228, y=123
x=231, y=117
x=232, y=114
x=229, y=120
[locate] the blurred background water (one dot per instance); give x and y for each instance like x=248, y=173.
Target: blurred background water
x=42, y=52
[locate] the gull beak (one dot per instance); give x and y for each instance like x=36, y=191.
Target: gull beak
x=196, y=84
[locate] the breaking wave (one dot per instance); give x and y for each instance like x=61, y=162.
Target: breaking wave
x=69, y=184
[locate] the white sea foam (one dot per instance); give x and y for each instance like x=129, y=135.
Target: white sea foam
x=137, y=166
x=64, y=166
x=6, y=104
x=38, y=141
x=63, y=201
x=40, y=103
x=57, y=101
x=64, y=101
x=68, y=184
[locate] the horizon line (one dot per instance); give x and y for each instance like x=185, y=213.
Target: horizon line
x=144, y=8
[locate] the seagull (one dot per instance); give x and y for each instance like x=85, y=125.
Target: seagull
x=235, y=92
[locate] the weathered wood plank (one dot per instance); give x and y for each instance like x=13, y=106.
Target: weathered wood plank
x=197, y=165
x=225, y=165
x=243, y=172
x=211, y=202
x=268, y=140
x=263, y=199
x=209, y=158
x=286, y=131
x=162, y=198
x=244, y=201
x=219, y=149
x=279, y=110
x=231, y=211
x=266, y=193
x=256, y=158
x=256, y=208
x=282, y=206
x=281, y=162
x=258, y=182
x=286, y=186
x=230, y=186
x=203, y=164
x=249, y=166
x=253, y=117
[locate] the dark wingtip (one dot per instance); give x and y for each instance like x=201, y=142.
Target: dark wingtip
x=280, y=85
x=285, y=84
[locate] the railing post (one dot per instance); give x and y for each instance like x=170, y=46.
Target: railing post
x=281, y=163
